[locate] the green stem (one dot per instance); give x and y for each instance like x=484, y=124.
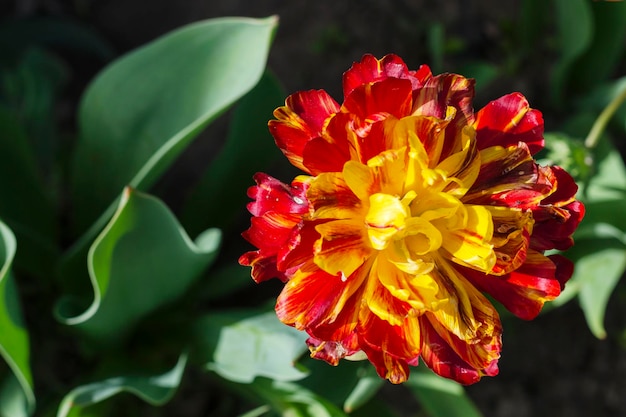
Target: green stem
x=603, y=119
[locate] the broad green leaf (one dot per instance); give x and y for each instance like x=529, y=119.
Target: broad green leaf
x=574, y=22
x=225, y=280
x=568, y=153
x=24, y=204
x=483, y=72
x=596, y=274
x=600, y=221
x=144, y=109
x=141, y=261
x=377, y=407
x=17, y=393
x=249, y=148
x=441, y=397
x=240, y=346
x=14, y=400
x=154, y=389
x=345, y=378
x=609, y=180
x=292, y=400
x=257, y=412
x=365, y=389
x=607, y=47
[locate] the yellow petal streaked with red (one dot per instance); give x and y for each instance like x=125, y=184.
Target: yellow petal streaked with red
x=415, y=209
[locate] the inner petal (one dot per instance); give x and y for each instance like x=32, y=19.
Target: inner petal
x=386, y=216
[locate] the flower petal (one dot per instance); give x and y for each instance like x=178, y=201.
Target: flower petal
x=342, y=247
x=524, y=291
x=367, y=102
x=370, y=70
x=313, y=298
x=300, y=120
x=507, y=121
x=510, y=177
x=444, y=361
x=470, y=245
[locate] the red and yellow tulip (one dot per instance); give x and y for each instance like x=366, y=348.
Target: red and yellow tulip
x=412, y=208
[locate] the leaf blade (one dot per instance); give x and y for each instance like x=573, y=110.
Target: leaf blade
x=139, y=252
x=137, y=116
x=14, y=339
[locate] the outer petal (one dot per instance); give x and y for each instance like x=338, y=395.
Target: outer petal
x=507, y=121
x=524, y=291
x=301, y=120
x=278, y=209
x=390, y=348
x=510, y=177
x=441, y=93
x=333, y=351
x=313, y=299
x=558, y=215
x=271, y=194
x=370, y=69
x=444, y=361
x=371, y=101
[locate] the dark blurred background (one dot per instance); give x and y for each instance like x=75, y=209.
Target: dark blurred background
x=552, y=366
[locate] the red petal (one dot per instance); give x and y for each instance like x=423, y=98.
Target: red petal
x=332, y=352
x=566, y=188
x=263, y=266
x=441, y=92
x=564, y=269
x=271, y=194
x=510, y=177
x=524, y=291
x=316, y=301
x=443, y=360
x=301, y=120
x=330, y=152
x=396, y=370
x=391, y=96
x=557, y=216
x=278, y=210
x=507, y=121
x=370, y=69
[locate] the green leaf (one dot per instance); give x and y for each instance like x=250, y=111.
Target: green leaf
x=574, y=23
x=154, y=389
x=143, y=110
x=483, y=72
x=440, y=397
x=225, y=280
x=609, y=180
x=606, y=49
x=141, y=261
x=24, y=204
x=568, y=153
x=365, y=389
x=249, y=148
x=17, y=393
x=596, y=274
x=14, y=400
x=290, y=399
x=239, y=346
